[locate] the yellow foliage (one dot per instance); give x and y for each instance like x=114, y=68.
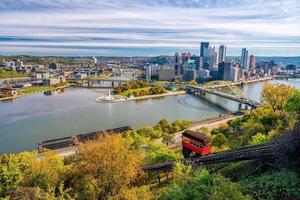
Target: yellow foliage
x=276, y=95
x=136, y=193
x=45, y=171
x=108, y=165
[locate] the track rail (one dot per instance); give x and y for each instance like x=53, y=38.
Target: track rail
x=256, y=152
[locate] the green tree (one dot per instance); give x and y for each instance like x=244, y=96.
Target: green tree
x=201, y=185
x=293, y=103
x=219, y=140
x=259, y=138
x=149, y=131
x=273, y=186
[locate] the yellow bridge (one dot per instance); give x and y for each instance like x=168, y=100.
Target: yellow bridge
x=235, y=93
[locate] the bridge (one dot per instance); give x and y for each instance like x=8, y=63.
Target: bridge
x=98, y=82
x=214, y=88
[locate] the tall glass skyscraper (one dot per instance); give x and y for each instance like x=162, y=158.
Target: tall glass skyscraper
x=244, y=59
x=203, y=46
x=222, y=54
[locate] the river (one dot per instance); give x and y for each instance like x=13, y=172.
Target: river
x=34, y=118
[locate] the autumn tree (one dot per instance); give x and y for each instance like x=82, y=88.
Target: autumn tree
x=276, y=95
x=105, y=167
x=293, y=103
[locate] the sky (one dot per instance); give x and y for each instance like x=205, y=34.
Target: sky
x=148, y=27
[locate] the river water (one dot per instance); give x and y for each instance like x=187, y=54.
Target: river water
x=34, y=118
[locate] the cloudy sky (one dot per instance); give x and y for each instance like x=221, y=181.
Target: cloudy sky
x=148, y=27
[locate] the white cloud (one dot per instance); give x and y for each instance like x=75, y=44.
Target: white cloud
x=151, y=24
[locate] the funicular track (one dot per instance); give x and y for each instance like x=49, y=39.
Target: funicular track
x=257, y=152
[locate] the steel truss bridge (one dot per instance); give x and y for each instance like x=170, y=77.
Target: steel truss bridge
x=214, y=87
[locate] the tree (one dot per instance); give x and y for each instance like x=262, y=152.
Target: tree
x=105, y=167
x=272, y=186
x=148, y=131
x=46, y=172
x=135, y=193
x=259, y=138
x=201, y=186
x=275, y=95
x=193, y=82
x=219, y=140
x=168, y=138
x=293, y=103
x=164, y=124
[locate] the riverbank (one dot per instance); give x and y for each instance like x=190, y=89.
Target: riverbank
x=122, y=99
x=195, y=125
x=35, y=90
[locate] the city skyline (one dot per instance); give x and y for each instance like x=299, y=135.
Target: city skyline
x=147, y=28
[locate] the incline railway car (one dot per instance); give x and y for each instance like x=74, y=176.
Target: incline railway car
x=195, y=143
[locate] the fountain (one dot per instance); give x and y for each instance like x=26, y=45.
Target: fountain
x=109, y=98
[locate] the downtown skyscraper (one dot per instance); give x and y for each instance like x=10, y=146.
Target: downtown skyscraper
x=244, y=59
x=203, y=47
x=222, y=54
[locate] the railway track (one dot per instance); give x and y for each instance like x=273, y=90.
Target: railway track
x=246, y=153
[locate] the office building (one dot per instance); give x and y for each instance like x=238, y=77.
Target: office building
x=197, y=60
x=176, y=63
x=166, y=73
x=252, y=63
x=222, y=54
x=185, y=57
x=190, y=72
x=148, y=72
x=203, y=46
x=224, y=69
x=244, y=59
x=235, y=74
x=212, y=58
x=203, y=73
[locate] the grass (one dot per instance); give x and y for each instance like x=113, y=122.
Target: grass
x=36, y=89
x=10, y=74
x=128, y=92
x=161, y=82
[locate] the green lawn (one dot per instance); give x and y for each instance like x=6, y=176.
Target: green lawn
x=128, y=92
x=36, y=89
x=10, y=74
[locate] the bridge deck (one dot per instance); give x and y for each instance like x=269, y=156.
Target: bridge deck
x=245, y=101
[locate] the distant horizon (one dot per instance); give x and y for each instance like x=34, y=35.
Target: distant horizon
x=148, y=27
x=116, y=56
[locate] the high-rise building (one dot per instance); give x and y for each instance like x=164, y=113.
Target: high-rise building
x=212, y=58
x=148, y=72
x=166, y=73
x=190, y=72
x=203, y=46
x=197, y=60
x=224, y=70
x=185, y=57
x=176, y=63
x=244, y=59
x=222, y=54
x=190, y=64
x=252, y=63
x=234, y=74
